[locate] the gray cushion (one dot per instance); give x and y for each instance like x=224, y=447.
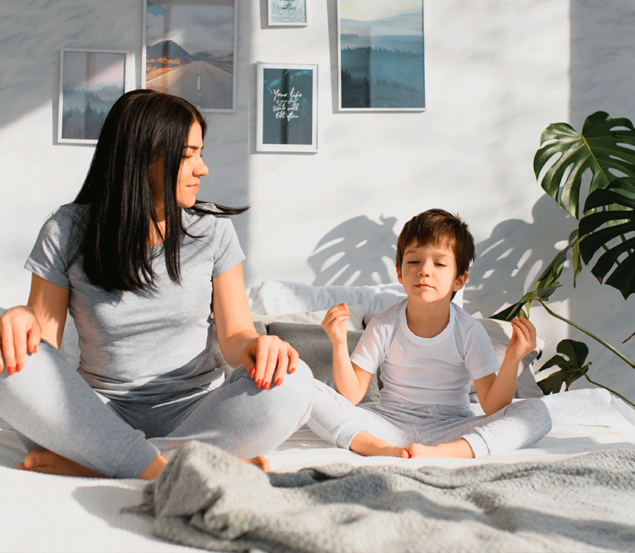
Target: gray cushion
x=315, y=349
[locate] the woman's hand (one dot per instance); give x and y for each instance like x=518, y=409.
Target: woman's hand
x=334, y=323
x=19, y=334
x=268, y=359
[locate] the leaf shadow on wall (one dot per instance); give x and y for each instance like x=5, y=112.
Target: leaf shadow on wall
x=356, y=252
x=515, y=254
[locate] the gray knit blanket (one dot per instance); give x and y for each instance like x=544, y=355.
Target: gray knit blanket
x=209, y=499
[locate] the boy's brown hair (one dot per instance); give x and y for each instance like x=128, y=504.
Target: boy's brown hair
x=437, y=227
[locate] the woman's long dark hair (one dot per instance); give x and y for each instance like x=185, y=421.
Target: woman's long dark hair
x=143, y=126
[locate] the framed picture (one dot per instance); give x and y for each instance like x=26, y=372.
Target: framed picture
x=91, y=81
x=287, y=108
x=287, y=13
x=189, y=50
x=381, y=62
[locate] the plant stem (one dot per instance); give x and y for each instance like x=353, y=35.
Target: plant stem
x=609, y=389
x=605, y=344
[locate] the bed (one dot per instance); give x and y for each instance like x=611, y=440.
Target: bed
x=572, y=491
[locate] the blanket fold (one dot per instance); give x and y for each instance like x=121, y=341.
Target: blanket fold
x=209, y=499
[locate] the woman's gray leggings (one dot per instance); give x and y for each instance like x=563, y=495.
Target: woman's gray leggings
x=518, y=425
x=52, y=407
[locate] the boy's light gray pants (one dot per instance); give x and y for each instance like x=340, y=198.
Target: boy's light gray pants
x=52, y=407
x=519, y=424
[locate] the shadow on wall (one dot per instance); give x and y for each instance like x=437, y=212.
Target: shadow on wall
x=515, y=254
x=602, y=75
x=356, y=252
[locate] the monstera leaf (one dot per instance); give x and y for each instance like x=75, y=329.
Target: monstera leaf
x=602, y=149
x=538, y=294
x=553, y=271
x=614, y=225
x=572, y=366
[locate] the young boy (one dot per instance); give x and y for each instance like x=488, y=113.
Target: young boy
x=428, y=349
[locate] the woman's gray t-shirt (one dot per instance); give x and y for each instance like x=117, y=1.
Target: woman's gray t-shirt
x=142, y=346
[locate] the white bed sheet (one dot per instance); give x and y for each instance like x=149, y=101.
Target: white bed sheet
x=52, y=513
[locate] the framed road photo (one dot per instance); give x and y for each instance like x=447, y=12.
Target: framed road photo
x=380, y=54
x=91, y=81
x=287, y=108
x=190, y=51
x=287, y=13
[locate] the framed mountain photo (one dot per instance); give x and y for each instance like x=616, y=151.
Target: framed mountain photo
x=381, y=63
x=190, y=51
x=91, y=81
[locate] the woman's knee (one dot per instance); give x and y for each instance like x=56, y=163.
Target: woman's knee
x=299, y=386
x=34, y=378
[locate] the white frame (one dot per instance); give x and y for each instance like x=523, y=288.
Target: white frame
x=144, y=48
x=128, y=79
x=281, y=148
x=339, y=72
x=272, y=23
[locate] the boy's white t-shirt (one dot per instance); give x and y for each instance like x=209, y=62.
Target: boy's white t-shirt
x=425, y=371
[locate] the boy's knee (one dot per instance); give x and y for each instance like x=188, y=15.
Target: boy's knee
x=536, y=412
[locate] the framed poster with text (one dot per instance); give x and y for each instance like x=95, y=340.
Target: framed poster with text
x=287, y=108
x=287, y=13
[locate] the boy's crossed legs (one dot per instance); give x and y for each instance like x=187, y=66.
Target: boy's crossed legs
x=425, y=431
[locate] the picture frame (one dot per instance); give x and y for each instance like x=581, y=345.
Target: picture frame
x=189, y=50
x=381, y=63
x=287, y=13
x=287, y=107
x=91, y=81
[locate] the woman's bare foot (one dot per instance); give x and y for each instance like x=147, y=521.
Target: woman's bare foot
x=366, y=444
x=261, y=462
x=48, y=462
x=459, y=449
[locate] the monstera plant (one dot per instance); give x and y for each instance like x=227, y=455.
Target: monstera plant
x=592, y=176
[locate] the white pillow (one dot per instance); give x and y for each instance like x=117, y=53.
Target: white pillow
x=314, y=317
x=278, y=297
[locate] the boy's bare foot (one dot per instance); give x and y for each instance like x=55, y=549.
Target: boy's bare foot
x=48, y=462
x=261, y=462
x=366, y=444
x=459, y=449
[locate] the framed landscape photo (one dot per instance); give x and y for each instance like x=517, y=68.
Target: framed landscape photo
x=287, y=108
x=380, y=54
x=190, y=51
x=287, y=13
x=91, y=81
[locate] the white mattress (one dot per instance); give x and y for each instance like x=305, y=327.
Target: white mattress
x=52, y=513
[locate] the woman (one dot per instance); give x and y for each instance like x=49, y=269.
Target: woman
x=137, y=261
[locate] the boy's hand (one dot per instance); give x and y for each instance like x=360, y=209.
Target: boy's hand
x=523, y=339
x=334, y=323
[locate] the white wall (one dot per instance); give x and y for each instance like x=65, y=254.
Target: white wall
x=497, y=73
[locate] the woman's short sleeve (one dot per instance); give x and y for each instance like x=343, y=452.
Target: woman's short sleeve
x=228, y=252
x=50, y=255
